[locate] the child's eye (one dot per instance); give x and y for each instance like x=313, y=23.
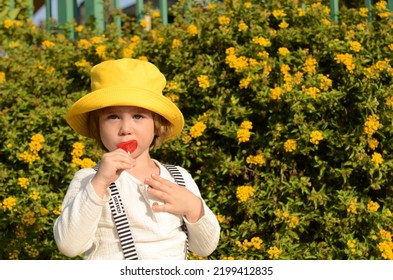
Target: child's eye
x=112, y=117
x=138, y=116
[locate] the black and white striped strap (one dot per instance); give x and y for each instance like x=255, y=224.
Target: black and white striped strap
x=122, y=225
x=175, y=172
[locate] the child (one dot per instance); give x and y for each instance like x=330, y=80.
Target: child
x=127, y=104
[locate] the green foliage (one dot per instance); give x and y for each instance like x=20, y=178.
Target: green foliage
x=288, y=124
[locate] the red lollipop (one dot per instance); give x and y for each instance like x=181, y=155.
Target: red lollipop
x=128, y=146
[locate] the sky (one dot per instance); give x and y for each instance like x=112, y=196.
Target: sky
x=40, y=14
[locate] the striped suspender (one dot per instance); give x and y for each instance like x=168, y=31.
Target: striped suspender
x=120, y=216
x=180, y=181
x=122, y=225
x=123, y=228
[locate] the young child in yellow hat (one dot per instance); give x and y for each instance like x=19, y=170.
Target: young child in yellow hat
x=130, y=206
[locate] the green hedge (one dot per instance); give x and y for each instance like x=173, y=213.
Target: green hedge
x=288, y=123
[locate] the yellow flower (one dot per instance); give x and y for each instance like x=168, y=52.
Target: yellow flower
x=279, y=13
x=246, y=125
x=300, y=12
x=274, y=253
x=372, y=206
x=351, y=243
x=283, y=51
x=144, y=23
x=28, y=218
x=100, y=51
x=243, y=135
x=386, y=249
x=283, y=25
x=203, y=81
x=223, y=20
x=261, y=41
x=347, y=60
x=363, y=12
x=14, y=45
x=143, y=58
x=256, y=160
x=28, y=157
x=238, y=63
x=285, y=68
x=377, y=159
x=23, y=182
x=324, y=82
x=87, y=163
x=325, y=21
x=256, y=242
x=310, y=65
x=275, y=93
x=290, y=145
x=385, y=234
x=381, y=5
x=172, y=85
x=97, y=40
x=78, y=150
x=373, y=143
x=244, y=83
x=35, y=195
x=230, y=51
x=352, y=206
x=82, y=63
x=243, y=193
x=43, y=211
x=192, y=30
x=389, y=101
x=2, y=77
x=47, y=44
x=83, y=44
x=50, y=70
x=316, y=136
x=9, y=202
x=197, y=130
x=220, y=218
x=8, y=23
x=79, y=28
x=371, y=125
x=57, y=211
x=37, y=138
x=31, y=251
x=311, y=91
x=35, y=146
x=355, y=46
x=176, y=43
x=155, y=14
x=293, y=221
x=242, y=26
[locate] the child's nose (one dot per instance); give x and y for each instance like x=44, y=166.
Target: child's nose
x=126, y=128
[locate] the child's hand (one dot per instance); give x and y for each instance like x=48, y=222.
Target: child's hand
x=111, y=166
x=177, y=199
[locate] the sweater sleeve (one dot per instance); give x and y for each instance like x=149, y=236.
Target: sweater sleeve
x=75, y=228
x=204, y=235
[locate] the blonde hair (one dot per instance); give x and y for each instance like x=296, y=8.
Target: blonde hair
x=162, y=129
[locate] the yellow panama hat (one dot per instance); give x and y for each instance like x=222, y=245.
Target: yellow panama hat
x=125, y=82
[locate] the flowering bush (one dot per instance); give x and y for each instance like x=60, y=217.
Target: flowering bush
x=287, y=133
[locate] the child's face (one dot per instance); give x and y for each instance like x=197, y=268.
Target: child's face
x=123, y=123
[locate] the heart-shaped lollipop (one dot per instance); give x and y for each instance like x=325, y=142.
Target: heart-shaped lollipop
x=128, y=146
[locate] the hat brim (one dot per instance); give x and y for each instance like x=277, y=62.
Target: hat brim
x=77, y=116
